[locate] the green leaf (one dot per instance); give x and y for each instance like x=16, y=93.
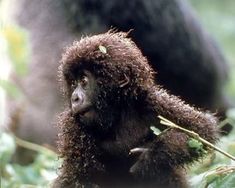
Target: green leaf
x=7, y=148
x=11, y=89
x=103, y=49
x=195, y=145
x=221, y=181
x=231, y=113
x=18, y=48
x=155, y=130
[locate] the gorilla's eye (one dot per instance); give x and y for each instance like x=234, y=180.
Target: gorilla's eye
x=73, y=84
x=84, y=81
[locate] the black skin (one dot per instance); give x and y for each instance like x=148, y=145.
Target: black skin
x=83, y=91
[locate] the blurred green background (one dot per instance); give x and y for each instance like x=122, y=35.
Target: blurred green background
x=218, y=16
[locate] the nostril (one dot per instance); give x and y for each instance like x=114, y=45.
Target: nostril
x=75, y=97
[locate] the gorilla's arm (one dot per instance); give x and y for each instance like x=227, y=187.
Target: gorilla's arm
x=170, y=149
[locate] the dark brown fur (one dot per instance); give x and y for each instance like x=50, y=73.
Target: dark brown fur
x=100, y=158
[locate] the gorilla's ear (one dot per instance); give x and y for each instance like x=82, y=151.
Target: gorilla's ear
x=124, y=82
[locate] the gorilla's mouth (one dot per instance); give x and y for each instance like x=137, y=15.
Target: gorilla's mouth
x=77, y=110
x=86, y=115
x=85, y=111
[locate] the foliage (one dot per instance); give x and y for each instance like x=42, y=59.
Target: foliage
x=11, y=89
x=17, y=46
x=218, y=17
x=217, y=170
x=14, y=46
x=36, y=175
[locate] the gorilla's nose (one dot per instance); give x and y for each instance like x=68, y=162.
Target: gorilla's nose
x=75, y=98
x=76, y=101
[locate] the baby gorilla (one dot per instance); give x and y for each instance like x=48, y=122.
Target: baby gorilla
x=105, y=138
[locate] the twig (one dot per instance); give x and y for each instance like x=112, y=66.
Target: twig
x=168, y=123
x=224, y=170
x=32, y=146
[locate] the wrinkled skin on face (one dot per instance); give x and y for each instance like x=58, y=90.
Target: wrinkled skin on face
x=83, y=90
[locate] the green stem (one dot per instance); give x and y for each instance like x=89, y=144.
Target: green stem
x=170, y=124
x=32, y=146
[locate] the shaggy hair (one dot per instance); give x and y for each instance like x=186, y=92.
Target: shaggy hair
x=128, y=101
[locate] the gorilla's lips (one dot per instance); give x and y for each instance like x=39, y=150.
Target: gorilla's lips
x=78, y=110
x=85, y=114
